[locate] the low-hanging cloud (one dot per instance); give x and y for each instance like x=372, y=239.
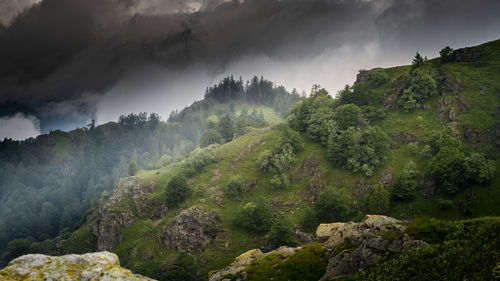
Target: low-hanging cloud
x=19, y=127
x=59, y=51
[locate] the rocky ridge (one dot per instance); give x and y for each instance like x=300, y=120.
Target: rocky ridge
x=103, y=266
x=353, y=247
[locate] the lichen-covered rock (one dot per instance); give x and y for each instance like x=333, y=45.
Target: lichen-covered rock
x=192, y=230
x=370, y=240
x=102, y=266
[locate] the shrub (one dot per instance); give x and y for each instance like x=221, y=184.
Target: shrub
x=198, y=159
x=448, y=168
x=333, y=205
x=478, y=168
x=235, y=187
x=378, y=200
x=280, y=181
x=447, y=54
x=405, y=183
x=210, y=136
x=177, y=191
x=413, y=147
x=255, y=216
x=183, y=268
x=281, y=233
x=19, y=247
x=418, y=86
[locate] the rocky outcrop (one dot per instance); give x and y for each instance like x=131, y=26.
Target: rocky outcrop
x=369, y=242
x=117, y=212
x=103, y=266
x=451, y=85
x=466, y=55
x=353, y=246
x=192, y=230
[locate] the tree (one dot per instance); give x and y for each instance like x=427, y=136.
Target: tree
x=478, y=168
x=378, y=200
x=235, y=187
x=348, y=115
x=405, y=183
x=177, y=191
x=210, y=136
x=19, y=247
x=447, y=54
x=333, y=205
x=132, y=168
x=447, y=166
x=255, y=216
x=417, y=61
x=225, y=128
x=281, y=233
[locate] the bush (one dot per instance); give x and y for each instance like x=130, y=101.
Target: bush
x=333, y=205
x=19, y=247
x=210, y=136
x=448, y=168
x=405, y=183
x=255, y=217
x=348, y=115
x=418, y=86
x=235, y=187
x=281, y=233
x=447, y=54
x=378, y=200
x=478, y=168
x=198, y=159
x=280, y=181
x=183, y=268
x=177, y=191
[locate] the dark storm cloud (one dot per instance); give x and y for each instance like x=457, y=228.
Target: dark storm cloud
x=60, y=52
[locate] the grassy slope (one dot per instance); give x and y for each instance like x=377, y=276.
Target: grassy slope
x=140, y=237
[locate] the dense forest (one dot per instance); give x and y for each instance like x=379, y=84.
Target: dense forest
x=47, y=183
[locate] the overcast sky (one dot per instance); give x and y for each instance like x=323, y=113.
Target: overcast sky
x=65, y=62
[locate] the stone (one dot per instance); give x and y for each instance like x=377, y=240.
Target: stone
x=192, y=230
x=103, y=266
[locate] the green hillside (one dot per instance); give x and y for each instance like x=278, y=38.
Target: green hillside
x=410, y=142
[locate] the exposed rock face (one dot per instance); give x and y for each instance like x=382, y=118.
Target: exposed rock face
x=192, y=230
x=367, y=239
x=466, y=55
x=103, y=266
x=451, y=84
x=110, y=217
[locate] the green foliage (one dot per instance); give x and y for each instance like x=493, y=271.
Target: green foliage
x=255, y=217
x=417, y=61
x=210, y=136
x=307, y=264
x=447, y=54
x=198, y=159
x=177, y=191
x=405, y=183
x=225, y=128
x=81, y=241
x=19, y=247
x=358, y=150
x=281, y=233
x=447, y=166
x=378, y=200
x=333, y=205
x=348, y=115
x=280, y=181
x=183, y=268
x=235, y=187
x=132, y=168
x=478, y=168
x=418, y=86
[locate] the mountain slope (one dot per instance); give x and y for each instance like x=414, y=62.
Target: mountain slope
x=273, y=186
